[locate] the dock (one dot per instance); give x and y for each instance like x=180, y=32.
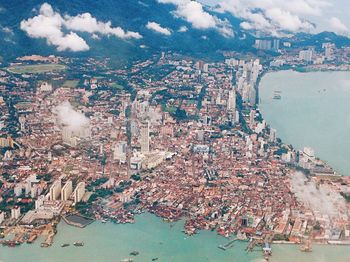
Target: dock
x=228, y=245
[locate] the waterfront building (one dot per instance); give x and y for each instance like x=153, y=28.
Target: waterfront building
x=306, y=55
x=145, y=137
x=15, y=212
x=79, y=192
x=272, y=137
x=55, y=190
x=67, y=190
x=328, y=50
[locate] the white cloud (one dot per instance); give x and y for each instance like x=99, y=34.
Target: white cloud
x=70, y=118
x=86, y=23
x=49, y=25
x=338, y=26
x=183, y=29
x=158, y=28
x=275, y=16
x=193, y=13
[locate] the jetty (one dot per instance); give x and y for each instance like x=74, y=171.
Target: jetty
x=228, y=245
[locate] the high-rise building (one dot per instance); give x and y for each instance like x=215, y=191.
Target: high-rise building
x=328, y=50
x=252, y=118
x=15, y=212
x=120, y=151
x=67, y=190
x=145, y=137
x=272, y=137
x=18, y=189
x=276, y=44
x=306, y=55
x=79, y=192
x=2, y=217
x=55, y=190
x=263, y=44
x=39, y=202
x=231, y=102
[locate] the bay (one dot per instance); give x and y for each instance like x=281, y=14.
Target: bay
x=150, y=236
x=314, y=111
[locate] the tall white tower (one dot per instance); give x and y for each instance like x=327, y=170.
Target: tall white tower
x=145, y=137
x=231, y=102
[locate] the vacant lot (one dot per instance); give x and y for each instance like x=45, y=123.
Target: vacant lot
x=71, y=83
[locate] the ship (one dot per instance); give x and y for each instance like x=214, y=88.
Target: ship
x=126, y=260
x=277, y=95
x=65, y=245
x=134, y=253
x=78, y=244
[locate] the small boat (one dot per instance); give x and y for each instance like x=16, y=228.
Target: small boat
x=154, y=259
x=78, y=244
x=104, y=221
x=126, y=260
x=306, y=247
x=65, y=245
x=134, y=253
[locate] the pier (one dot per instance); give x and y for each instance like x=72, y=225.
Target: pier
x=228, y=245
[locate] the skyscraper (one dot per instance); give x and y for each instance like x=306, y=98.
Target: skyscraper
x=120, y=151
x=55, y=190
x=145, y=137
x=231, y=102
x=272, y=137
x=79, y=192
x=66, y=190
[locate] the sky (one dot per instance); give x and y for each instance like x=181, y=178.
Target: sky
x=327, y=15
x=272, y=17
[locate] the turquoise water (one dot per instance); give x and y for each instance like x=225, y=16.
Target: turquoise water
x=149, y=235
x=154, y=238
x=314, y=111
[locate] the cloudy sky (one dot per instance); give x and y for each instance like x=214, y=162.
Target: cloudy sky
x=274, y=17
x=330, y=15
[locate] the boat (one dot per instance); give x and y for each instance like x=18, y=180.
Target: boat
x=103, y=221
x=65, y=245
x=306, y=247
x=134, y=253
x=78, y=244
x=126, y=260
x=277, y=95
x=154, y=259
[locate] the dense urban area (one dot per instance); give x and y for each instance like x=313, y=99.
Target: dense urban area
x=172, y=135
